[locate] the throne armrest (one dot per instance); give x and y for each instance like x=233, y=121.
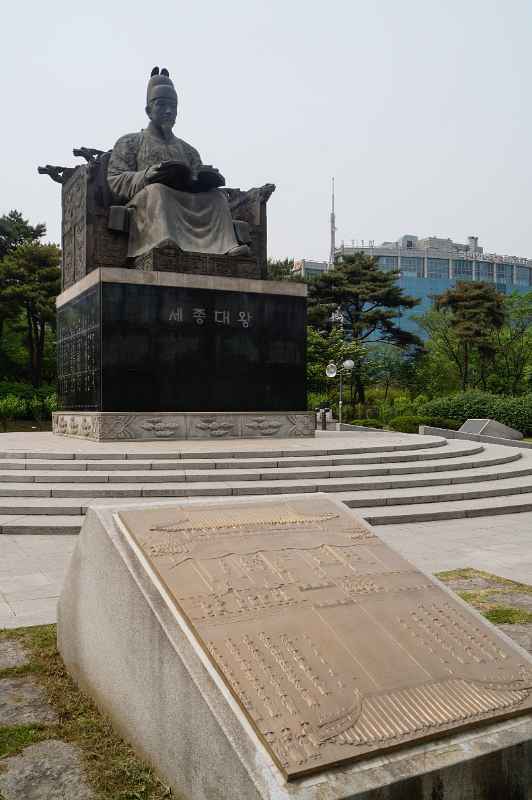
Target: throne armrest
x=248, y=210
x=249, y=206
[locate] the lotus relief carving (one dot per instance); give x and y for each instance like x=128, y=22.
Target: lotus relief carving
x=87, y=426
x=73, y=425
x=160, y=427
x=265, y=426
x=215, y=427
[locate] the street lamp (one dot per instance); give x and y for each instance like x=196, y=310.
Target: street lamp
x=331, y=371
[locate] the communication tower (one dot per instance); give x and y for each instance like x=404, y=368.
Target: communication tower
x=333, y=230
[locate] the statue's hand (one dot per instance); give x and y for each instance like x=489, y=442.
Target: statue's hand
x=175, y=174
x=156, y=173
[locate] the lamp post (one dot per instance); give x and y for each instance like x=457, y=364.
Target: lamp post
x=331, y=371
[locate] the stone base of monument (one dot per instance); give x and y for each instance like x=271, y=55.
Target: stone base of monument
x=490, y=427
x=165, y=355
x=101, y=426
x=253, y=695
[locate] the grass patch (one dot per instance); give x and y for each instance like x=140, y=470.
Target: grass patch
x=16, y=738
x=110, y=764
x=500, y=615
x=485, y=600
x=467, y=573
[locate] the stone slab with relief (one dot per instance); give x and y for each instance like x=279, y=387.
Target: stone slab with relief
x=276, y=648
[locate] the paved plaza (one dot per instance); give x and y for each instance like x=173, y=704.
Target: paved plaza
x=441, y=504
x=32, y=567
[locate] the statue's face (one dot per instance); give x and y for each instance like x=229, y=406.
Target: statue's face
x=163, y=112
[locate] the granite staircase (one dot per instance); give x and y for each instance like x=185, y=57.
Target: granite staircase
x=388, y=480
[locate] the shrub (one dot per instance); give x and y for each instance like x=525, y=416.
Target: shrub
x=51, y=403
x=444, y=422
x=408, y=423
x=513, y=411
x=368, y=423
x=26, y=392
x=314, y=400
x=41, y=408
x=36, y=406
x=11, y=407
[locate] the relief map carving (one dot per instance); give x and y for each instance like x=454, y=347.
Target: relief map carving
x=334, y=646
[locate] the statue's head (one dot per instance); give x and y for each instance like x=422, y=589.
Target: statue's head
x=161, y=100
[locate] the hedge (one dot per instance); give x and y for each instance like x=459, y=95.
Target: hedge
x=513, y=411
x=409, y=423
x=32, y=403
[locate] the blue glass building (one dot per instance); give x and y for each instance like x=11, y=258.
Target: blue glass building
x=427, y=267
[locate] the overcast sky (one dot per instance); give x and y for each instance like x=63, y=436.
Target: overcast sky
x=420, y=108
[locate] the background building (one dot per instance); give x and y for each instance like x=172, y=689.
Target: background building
x=427, y=267
x=305, y=268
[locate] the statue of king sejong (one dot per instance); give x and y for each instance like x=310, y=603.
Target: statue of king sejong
x=173, y=196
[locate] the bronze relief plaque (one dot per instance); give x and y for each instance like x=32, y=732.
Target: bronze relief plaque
x=334, y=646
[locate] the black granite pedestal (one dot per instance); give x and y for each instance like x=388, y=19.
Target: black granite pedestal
x=144, y=349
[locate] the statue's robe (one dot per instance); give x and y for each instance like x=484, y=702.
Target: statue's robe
x=196, y=223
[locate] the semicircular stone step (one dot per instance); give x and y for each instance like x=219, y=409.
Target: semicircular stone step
x=420, y=512
x=237, y=463
x=408, y=478
x=495, y=455
x=327, y=446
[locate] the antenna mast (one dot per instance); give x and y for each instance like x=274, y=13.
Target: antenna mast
x=333, y=230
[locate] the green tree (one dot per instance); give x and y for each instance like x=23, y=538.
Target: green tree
x=30, y=281
x=280, y=269
x=513, y=346
x=388, y=365
x=16, y=231
x=366, y=300
x=475, y=311
x=324, y=347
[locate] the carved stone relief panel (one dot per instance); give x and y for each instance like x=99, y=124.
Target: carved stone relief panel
x=143, y=426
x=279, y=425
x=74, y=205
x=138, y=426
x=212, y=426
x=78, y=352
x=333, y=645
x=81, y=426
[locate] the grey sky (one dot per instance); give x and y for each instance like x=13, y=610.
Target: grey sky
x=419, y=108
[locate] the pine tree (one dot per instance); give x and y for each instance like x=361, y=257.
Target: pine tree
x=476, y=311
x=15, y=231
x=366, y=299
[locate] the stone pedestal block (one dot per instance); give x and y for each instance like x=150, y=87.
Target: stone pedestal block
x=149, y=343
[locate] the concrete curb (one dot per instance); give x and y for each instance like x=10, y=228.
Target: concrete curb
x=428, y=430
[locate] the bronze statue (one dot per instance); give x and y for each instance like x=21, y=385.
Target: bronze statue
x=151, y=204
x=173, y=197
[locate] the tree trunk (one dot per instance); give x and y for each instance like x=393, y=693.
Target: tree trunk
x=360, y=390
x=31, y=345
x=465, y=374
x=39, y=352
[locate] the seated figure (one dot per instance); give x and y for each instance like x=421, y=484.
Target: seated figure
x=173, y=197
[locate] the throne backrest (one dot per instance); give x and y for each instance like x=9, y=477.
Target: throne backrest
x=89, y=242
